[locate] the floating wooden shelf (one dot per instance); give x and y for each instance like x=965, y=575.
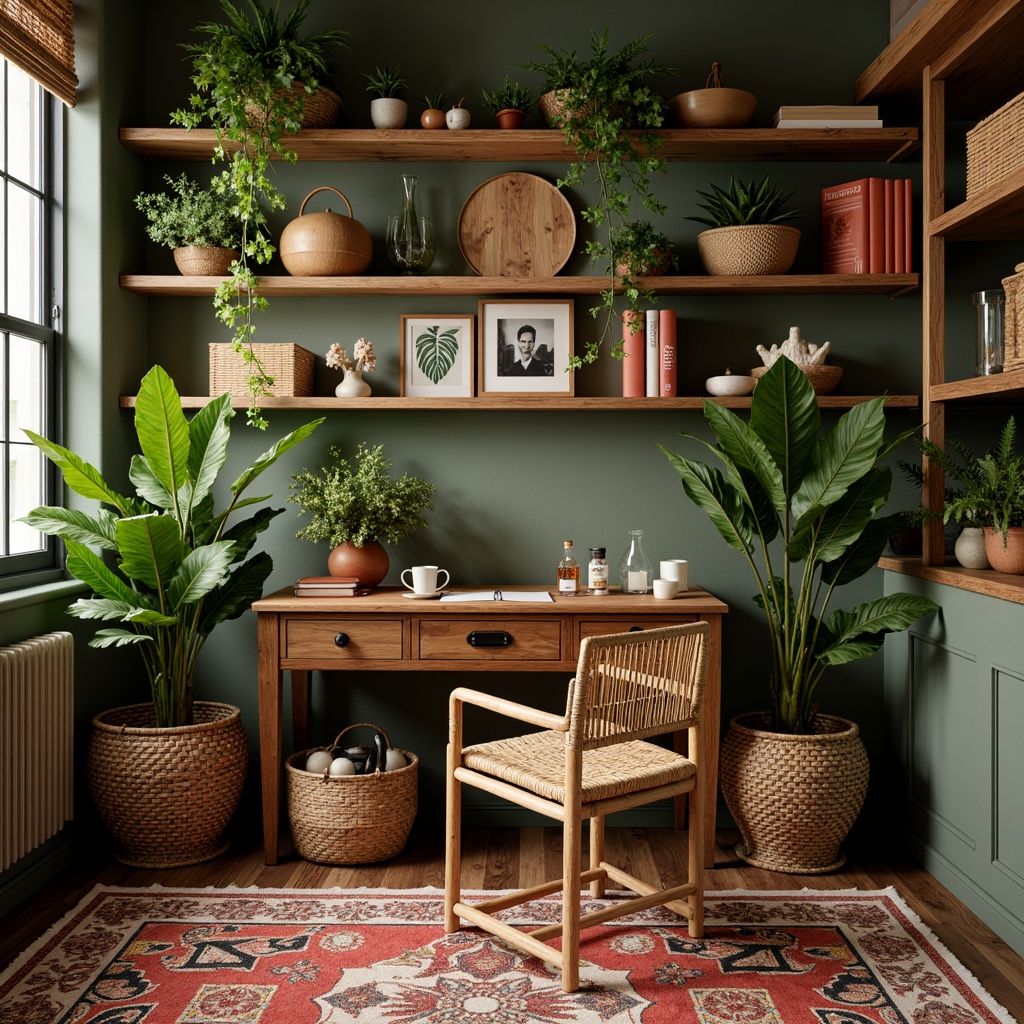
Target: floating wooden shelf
x=994, y=214
x=521, y=403
x=703, y=284
x=980, y=581
x=994, y=389
x=490, y=145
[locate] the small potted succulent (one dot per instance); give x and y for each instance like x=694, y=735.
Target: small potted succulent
x=433, y=112
x=387, y=108
x=640, y=251
x=509, y=103
x=353, y=510
x=746, y=234
x=199, y=224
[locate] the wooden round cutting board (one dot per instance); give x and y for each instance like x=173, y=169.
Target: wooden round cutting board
x=517, y=225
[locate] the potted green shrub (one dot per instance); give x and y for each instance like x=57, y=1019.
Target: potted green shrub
x=167, y=775
x=747, y=233
x=354, y=509
x=609, y=114
x=199, y=224
x=802, y=509
x=253, y=78
x=509, y=103
x=642, y=251
x=387, y=108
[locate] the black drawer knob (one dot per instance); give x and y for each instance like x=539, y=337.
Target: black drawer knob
x=489, y=638
x=341, y=640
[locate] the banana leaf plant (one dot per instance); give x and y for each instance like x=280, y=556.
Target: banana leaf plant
x=802, y=508
x=174, y=568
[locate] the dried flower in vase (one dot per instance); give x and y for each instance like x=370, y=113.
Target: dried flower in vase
x=337, y=357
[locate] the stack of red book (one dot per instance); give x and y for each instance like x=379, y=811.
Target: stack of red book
x=326, y=586
x=866, y=227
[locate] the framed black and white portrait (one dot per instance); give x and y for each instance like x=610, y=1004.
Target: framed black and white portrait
x=525, y=346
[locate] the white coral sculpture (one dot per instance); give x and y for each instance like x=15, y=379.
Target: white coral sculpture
x=801, y=352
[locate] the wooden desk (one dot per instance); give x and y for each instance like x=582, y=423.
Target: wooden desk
x=384, y=632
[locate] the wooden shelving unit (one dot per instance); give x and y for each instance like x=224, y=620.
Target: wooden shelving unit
x=978, y=581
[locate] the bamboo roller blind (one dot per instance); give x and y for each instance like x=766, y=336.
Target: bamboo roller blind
x=39, y=36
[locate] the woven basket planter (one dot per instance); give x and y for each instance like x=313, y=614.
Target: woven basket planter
x=291, y=366
x=322, y=108
x=166, y=795
x=748, y=249
x=350, y=819
x=203, y=260
x=793, y=797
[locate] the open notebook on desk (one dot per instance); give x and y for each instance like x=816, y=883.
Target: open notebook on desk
x=501, y=595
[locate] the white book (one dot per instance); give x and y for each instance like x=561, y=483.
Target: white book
x=830, y=122
x=651, y=354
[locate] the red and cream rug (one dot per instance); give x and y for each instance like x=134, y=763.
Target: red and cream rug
x=263, y=956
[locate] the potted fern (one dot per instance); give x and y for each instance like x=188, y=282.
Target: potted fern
x=642, y=251
x=747, y=234
x=509, y=103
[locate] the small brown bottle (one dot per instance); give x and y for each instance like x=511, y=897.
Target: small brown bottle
x=568, y=571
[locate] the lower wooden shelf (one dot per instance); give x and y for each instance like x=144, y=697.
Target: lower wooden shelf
x=998, y=387
x=980, y=581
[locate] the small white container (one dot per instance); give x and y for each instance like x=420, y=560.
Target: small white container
x=665, y=590
x=729, y=384
x=677, y=569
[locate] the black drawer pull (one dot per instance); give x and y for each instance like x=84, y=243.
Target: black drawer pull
x=636, y=629
x=489, y=638
x=341, y=640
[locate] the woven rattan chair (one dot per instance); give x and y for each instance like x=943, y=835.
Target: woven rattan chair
x=585, y=764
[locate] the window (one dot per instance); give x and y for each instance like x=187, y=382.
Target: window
x=31, y=296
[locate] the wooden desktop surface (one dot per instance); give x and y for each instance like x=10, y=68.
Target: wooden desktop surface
x=385, y=631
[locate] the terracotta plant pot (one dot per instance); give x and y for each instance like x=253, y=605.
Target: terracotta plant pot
x=204, y=260
x=660, y=263
x=433, y=118
x=510, y=118
x=1008, y=557
x=748, y=249
x=368, y=564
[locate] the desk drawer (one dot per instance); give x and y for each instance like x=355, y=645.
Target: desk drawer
x=498, y=639
x=602, y=627
x=335, y=638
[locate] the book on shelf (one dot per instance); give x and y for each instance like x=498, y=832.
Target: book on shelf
x=330, y=591
x=825, y=111
x=651, y=354
x=667, y=354
x=634, y=365
x=865, y=228
x=827, y=122
x=326, y=586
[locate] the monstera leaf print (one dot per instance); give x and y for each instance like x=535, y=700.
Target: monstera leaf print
x=436, y=351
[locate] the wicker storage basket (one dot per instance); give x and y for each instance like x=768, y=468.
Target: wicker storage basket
x=748, y=249
x=823, y=378
x=1013, y=320
x=995, y=146
x=350, y=819
x=290, y=365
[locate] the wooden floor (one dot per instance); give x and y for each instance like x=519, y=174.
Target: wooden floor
x=507, y=858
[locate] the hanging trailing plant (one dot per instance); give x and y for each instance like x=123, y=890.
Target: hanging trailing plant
x=251, y=79
x=609, y=114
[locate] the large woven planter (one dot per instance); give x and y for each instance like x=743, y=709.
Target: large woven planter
x=793, y=797
x=748, y=249
x=1005, y=557
x=167, y=794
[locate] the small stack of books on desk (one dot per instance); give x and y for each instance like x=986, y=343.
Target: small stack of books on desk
x=826, y=115
x=326, y=586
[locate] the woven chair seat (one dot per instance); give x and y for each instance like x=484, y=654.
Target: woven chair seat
x=536, y=762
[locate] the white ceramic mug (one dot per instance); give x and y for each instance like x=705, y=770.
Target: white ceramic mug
x=424, y=579
x=665, y=590
x=677, y=569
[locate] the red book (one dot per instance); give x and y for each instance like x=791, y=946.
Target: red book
x=876, y=226
x=634, y=342
x=890, y=226
x=899, y=229
x=667, y=358
x=908, y=236
x=844, y=228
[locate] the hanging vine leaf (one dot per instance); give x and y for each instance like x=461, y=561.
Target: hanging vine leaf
x=436, y=351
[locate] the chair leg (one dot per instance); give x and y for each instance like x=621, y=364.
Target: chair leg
x=453, y=845
x=571, y=853
x=695, y=852
x=597, y=887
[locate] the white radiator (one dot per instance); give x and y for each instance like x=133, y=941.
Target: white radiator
x=36, y=742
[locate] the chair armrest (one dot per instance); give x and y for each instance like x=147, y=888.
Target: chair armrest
x=508, y=708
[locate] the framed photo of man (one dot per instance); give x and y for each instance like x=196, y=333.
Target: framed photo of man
x=525, y=346
x=437, y=356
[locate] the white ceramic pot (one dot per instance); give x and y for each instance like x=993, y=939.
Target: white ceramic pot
x=388, y=112
x=970, y=548
x=353, y=386
x=457, y=117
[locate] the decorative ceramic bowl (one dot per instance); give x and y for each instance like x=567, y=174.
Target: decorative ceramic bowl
x=728, y=384
x=712, y=108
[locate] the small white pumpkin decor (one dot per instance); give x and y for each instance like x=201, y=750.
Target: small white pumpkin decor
x=458, y=116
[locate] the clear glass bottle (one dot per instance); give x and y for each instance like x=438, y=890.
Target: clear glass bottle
x=568, y=571
x=410, y=237
x=635, y=570
x=989, y=340
x=597, y=571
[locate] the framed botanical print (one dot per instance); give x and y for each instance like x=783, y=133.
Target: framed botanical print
x=525, y=346
x=437, y=356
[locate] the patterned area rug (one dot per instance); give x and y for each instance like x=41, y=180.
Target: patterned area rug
x=262, y=956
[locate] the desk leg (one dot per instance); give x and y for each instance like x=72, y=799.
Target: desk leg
x=300, y=708
x=269, y=692
x=710, y=727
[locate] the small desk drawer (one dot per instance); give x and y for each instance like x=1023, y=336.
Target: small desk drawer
x=342, y=639
x=602, y=627
x=498, y=639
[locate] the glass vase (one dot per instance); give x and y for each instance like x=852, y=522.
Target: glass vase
x=635, y=570
x=410, y=237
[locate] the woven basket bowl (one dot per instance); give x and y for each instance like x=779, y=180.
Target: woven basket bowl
x=794, y=798
x=748, y=249
x=203, y=260
x=322, y=108
x=166, y=795
x=823, y=378
x=712, y=108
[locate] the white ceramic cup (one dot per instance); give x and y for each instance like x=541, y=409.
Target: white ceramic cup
x=424, y=579
x=665, y=590
x=677, y=569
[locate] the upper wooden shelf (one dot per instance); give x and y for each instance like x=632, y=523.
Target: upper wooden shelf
x=520, y=403
x=994, y=214
x=702, y=284
x=974, y=45
x=980, y=581
x=492, y=145
x=993, y=389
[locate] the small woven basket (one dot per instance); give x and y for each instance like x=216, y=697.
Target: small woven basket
x=995, y=146
x=350, y=819
x=290, y=365
x=322, y=108
x=748, y=249
x=823, y=378
x=1013, y=320
x=203, y=260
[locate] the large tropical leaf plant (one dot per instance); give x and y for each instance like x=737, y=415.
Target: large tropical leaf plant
x=802, y=508
x=168, y=566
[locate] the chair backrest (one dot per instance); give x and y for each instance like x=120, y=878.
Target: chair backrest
x=633, y=685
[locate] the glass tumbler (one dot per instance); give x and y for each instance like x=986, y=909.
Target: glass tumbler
x=989, y=341
x=410, y=247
